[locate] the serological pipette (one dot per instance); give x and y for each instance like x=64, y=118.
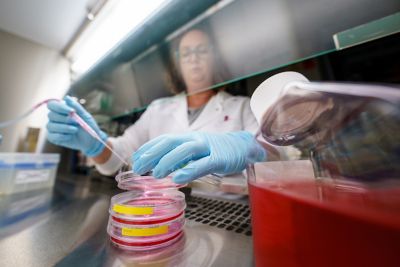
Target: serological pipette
x=92, y=133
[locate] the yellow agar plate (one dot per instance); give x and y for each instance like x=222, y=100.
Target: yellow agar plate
x=128, y=210
x=145, y=231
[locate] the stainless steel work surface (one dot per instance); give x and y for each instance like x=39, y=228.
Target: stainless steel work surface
x=67, y=227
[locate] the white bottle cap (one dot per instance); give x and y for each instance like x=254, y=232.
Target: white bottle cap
x=269, y=91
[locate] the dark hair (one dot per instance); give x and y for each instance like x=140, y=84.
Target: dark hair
x=174, y=76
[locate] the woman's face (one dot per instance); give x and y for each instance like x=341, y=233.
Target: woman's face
x=196, y=61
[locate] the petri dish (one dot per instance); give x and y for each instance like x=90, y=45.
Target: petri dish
x=172, y=252
x=151, y=215
x=138, y=236
x=147, y=207
x=131, y=181
x=141, y=246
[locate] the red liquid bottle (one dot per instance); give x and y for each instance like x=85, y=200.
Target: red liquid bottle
x=308, y=222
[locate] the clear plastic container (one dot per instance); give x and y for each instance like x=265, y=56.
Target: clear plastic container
x=131, y=181
x=27, y=171
x=147, y=206
x=144, y=234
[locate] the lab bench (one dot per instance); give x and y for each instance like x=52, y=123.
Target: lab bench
x=66, y=226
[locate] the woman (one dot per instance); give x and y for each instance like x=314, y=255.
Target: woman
x=197, y=109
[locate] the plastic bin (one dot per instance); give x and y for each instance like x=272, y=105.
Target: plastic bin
x=27, y=171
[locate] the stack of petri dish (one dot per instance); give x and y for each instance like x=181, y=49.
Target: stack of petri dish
x=151, y=215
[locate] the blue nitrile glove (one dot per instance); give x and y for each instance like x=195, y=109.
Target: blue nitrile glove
x=64, y=131
x=197, y=154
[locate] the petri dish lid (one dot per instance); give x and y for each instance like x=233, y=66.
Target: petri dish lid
x=132, y=181
x=147, y=206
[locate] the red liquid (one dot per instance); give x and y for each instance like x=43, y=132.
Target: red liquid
x=307, y=223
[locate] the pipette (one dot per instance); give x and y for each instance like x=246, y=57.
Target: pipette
x=90, y=131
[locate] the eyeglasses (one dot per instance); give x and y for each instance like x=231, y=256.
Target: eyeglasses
x=200, y=51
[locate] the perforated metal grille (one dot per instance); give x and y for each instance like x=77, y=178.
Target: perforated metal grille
x=226, y=215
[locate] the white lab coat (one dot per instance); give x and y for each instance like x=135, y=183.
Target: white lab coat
x=222, y=113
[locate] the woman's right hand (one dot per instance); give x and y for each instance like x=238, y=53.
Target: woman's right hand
x=64, y=131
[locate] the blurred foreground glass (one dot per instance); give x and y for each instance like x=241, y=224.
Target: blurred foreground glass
x=342, y=206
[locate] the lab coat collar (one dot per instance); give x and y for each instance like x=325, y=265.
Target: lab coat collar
x=213, y=108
